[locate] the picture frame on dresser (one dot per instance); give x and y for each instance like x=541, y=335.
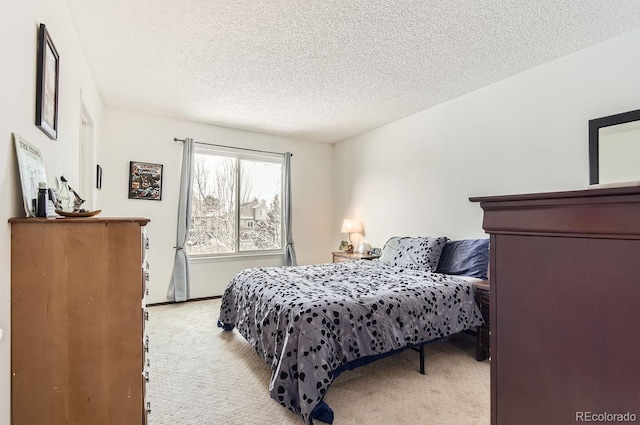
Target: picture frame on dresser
x=32, y=172
x=47, y=84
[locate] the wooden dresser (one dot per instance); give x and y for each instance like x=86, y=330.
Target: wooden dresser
x=565, y=312
x=77, y=321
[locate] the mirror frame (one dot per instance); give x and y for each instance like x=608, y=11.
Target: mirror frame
x=594, y=126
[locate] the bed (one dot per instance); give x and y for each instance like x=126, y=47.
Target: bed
x=310, y=323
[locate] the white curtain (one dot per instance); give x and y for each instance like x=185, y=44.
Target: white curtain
x=289, y=252
x=179, y=284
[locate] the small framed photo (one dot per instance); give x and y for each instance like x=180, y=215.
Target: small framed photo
x=145, y=181
x=98, y=177
x=47, y=81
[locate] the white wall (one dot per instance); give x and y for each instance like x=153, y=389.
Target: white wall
x=19, y=22
x=132, y=136
x=528, y=133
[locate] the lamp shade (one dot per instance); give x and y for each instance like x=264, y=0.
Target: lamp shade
x=351, y=226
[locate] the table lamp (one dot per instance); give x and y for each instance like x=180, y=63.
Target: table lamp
x=351, y=226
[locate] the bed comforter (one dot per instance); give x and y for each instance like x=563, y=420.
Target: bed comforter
x=311, y=322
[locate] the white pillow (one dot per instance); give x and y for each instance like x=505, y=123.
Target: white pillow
x=389, y=251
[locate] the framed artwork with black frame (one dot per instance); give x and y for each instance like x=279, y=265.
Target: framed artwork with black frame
x=98, y=177
x=145, y=181
x=47, y=84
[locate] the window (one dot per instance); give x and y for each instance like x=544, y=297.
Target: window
x=236, y=204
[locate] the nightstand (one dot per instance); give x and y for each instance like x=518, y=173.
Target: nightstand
x=341, y=256
x=481, y=290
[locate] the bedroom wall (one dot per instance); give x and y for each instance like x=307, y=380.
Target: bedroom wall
x=528, y=133
x=19, y=22
x=133, y=136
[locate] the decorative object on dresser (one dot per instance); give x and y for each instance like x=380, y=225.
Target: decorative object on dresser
x=63, y=202
x=47, y=79
x=77, y=199
x=341, y=256
x=351, y=226
x=564, y=313
x=64, y=196
x=82, y=213
x=77, y=321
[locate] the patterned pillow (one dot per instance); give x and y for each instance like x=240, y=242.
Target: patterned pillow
x=420, y=253
x=389, y=251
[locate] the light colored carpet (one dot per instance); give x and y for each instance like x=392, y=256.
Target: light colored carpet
x=201, y=375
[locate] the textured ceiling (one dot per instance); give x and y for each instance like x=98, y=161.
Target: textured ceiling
x=324, y=70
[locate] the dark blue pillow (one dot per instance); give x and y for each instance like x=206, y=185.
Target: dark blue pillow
x=467, y=257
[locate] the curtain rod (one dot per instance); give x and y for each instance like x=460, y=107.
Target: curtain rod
x=175, y=139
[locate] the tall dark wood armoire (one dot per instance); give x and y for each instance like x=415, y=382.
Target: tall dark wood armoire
x=565, y=305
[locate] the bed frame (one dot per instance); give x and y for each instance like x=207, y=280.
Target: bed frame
x=420, y=349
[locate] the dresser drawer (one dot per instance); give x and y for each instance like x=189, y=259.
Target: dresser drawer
x=337, y=259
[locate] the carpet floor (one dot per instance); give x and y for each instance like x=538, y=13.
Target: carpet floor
x=200, y=375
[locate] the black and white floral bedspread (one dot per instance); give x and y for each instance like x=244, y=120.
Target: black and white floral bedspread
x=308, y=322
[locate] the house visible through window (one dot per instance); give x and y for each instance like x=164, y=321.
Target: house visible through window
x=236, y=203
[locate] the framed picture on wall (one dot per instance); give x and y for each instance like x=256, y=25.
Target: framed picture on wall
x=98, y=177
x=47, y=81
x=145, y=181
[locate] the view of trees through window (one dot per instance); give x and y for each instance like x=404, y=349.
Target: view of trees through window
x=236, y=204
